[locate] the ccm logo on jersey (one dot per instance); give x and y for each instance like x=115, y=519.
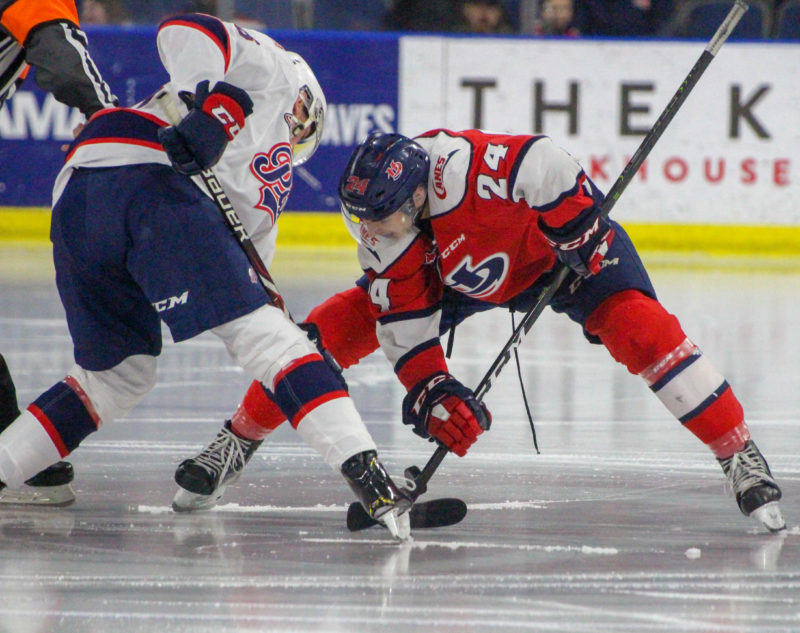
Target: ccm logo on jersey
x=453, y=245
x=168, y=304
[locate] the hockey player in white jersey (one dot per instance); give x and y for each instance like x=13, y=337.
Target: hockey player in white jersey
x=135, y=240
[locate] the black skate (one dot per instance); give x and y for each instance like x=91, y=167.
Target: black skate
x=377, y=493
x=49, y=487
x=756, y=491
x=204, y=477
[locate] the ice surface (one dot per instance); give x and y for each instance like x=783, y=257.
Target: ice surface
x=620, y=525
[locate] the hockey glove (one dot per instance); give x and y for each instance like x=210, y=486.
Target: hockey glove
x=216, y=117
x=441, y=408
x=581, y=244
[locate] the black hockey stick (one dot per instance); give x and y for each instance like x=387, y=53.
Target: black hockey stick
x=426, y=514
x=209, y=178
x=420, y=478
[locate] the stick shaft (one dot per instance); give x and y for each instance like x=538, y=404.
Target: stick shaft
x=214, y=187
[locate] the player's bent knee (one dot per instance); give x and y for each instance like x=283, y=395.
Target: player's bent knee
x=635, y=329
x=112, y=393
x=264, y=342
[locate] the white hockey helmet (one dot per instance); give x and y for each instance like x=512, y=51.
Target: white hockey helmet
x=314, y=101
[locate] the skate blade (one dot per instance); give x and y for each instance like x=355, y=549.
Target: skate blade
x=185, y=501
x=399, y=526
x=770, y=516
x=39, y=496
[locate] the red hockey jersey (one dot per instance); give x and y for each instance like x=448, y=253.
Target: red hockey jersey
x=486, y=193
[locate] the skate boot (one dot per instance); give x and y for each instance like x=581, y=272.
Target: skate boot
x=49, y=487
x=204, y=477
x=756, y=491
x=377, y=493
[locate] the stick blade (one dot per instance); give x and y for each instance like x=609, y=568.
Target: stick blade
x=435, y=513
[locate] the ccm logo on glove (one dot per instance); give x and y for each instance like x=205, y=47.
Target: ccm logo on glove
x=443, y=409
x=214, y=119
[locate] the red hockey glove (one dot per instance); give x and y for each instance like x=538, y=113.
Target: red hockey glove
x=441, y=408
x=216, y=117
x=581, y=244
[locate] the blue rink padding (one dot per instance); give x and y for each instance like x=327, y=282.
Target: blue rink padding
x=360, y=102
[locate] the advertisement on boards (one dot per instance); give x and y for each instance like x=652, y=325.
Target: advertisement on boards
x=358, y=74
x=731, y=154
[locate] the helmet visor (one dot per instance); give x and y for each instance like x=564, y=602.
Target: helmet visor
x=367, y=229
x=310, y=129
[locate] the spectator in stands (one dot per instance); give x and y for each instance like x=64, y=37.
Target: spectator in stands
x=623, y=18
x=421, y=15
x=104, y=12
x=556, y=17
x=483, y=16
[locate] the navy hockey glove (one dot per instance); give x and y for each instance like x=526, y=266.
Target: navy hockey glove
x=216, y=117
x=442, y=408
x=581, y=244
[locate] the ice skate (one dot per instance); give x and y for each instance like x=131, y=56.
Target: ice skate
x=49, y=487
x=204, y=477
x=756, y=491
x=378, y=494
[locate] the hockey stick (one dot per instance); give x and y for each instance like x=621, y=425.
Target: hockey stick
x=225, y=207
x=420, y=478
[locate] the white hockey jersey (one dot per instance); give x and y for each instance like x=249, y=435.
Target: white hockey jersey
x=256, y=167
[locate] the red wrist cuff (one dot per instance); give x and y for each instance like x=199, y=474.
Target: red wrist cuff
x=227, y=111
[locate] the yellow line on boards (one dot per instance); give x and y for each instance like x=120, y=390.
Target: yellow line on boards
x=326, y=229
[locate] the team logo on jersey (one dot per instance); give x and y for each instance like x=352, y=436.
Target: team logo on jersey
x=274, y=170
x=394, y=169
x=479, y=280
x=438, y=175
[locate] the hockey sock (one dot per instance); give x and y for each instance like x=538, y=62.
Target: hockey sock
x=650, y=342
x=312, y=398
x=305, y=384
x=258, y=414
x=66, y=414
x=51, y=427
x=346, y=323
x=700, y=397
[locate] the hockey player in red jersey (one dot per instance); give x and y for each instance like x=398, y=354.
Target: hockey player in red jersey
x=473, y=220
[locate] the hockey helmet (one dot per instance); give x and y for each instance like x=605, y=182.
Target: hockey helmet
x=315, y=104
x=381, y=176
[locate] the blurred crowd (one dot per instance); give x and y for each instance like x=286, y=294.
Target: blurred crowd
x=565, y=18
